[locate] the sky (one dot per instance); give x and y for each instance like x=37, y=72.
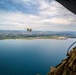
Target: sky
x=40, y=15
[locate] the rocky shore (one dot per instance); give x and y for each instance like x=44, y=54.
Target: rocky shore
x=67, y=66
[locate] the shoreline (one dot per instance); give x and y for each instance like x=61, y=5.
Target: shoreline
x=43, y=37
x=32, y=38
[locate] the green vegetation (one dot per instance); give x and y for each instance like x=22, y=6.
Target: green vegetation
x=13, y=36
x=36, y=35
x=22, y=36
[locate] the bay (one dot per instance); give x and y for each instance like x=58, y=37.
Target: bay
x=31, y=57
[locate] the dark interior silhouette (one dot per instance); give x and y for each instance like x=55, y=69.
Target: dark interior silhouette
x=69, y=4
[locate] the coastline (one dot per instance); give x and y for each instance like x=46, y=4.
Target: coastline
x=32, y=38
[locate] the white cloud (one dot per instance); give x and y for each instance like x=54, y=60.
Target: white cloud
x=20, y=19
x=61, y=21
x=56, y=13
x=28, y=2
x=51, y=16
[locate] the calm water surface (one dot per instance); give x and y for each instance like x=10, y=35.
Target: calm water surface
x=31, y=57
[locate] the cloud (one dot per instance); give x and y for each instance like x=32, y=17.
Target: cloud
x=37, y=14
x=60, y=21
x=20, y=19
x=56, y=13
x=24, y=6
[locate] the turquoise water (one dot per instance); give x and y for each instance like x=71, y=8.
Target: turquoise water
x=31, y=57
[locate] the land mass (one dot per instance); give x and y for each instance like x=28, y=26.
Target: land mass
x=13, y=34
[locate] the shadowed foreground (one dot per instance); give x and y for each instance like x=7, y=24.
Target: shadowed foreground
x=67, y=66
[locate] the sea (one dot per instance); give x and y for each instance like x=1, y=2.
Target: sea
x=32, y=57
